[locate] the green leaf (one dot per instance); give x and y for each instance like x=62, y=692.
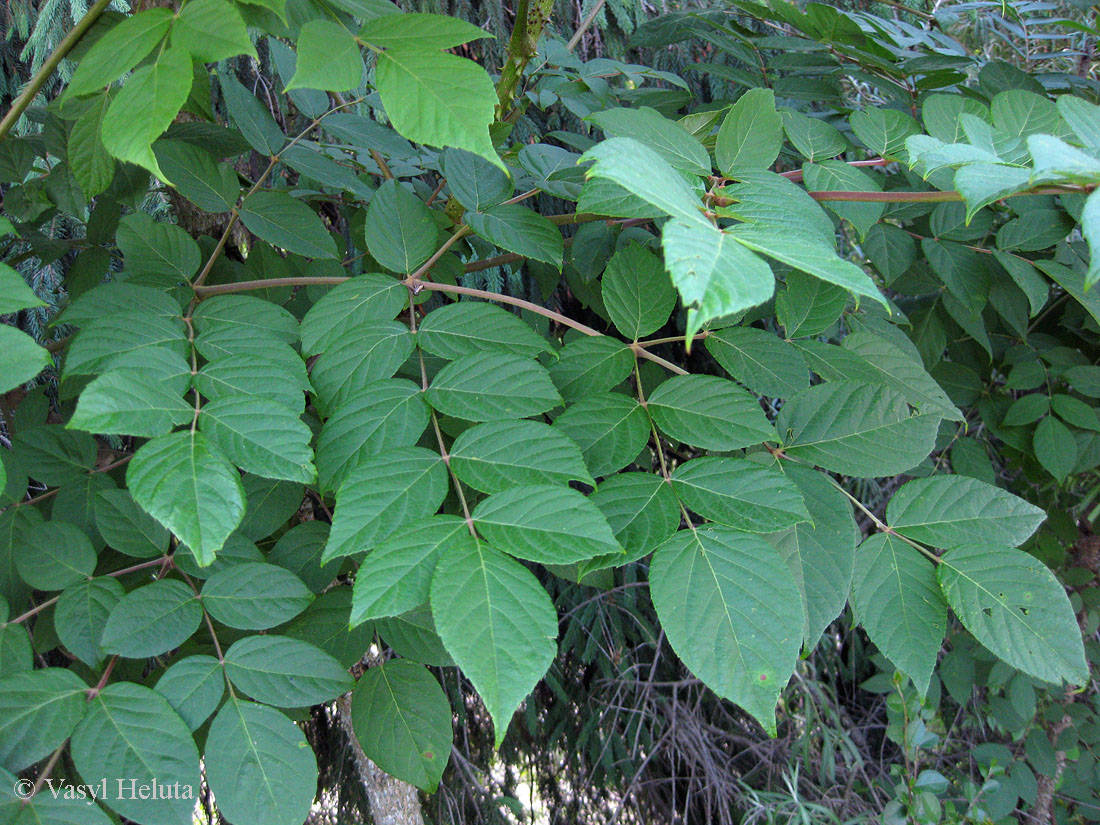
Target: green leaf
x=809, y=256
x=237, y=376
x=58, y=456
x=38, y=711
x=645, y=174
x=708, y=412
x=55, y=555
x=131, y=734
x=812, y=137
x=190, y=488
x=590, y=365
x=732, y=612
x=363, y=355
x=247, y=739
x=498, y=623
x=385, y=414
x=211, y=30
x=1073, y=283
x=739, y=493
x=92, y=167
x=763, y=197
x=129, y=402
x=491, y=387
x=836, y=175
x=947, y=511
x=1015, y=606
x=325, y=624
x=821, y=555
x=384, y=494
x=413, y=636
x=260, y=436
x=145, y=107
x=856, y=429
x=438, y=99
x=546, y=524
x=984, y=183
x=14, y=292
x=891, y=249
x=473, y=327
x=642, y=511
x=899, y=604
x=637, y=292
x=610, y=429
x=299, y=551
x=883, y=131
x=119, y=50
x=193, y=687
x=1090, y=228
x=713, y=273
x=751, y=134
x=396, y=576
x=427, y=31
x=152, y=620
x=871, y=359
x=1074, y=411
x=81, y=615
x=402, y=720
x=328, y=58
x=155, y=248
x=1083, y=118
x=499, y=455
x=358, y=301
x=98, y=347
x=400, y=231
x=286, y=673
x=668, y=138
x=16, y=655
x=23, y=358
x=761, y=361
x=1055, y=447
x=213, y=187
x=287, y=223
x=476, y=183
x=254, y=595
x=251, y=116
x=520, y=230
x=126, y=527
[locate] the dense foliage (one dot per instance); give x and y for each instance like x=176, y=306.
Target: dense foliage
x=825, y=346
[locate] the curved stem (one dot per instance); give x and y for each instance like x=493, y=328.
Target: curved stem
x=30, y=91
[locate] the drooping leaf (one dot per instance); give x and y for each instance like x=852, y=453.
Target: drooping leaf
x=899, y=604
x=761, y=361
x=498, y=623
x=396, y=575
x=856, y=429
x=190, y=488
x=437, y=98
x=287, y=223
x=382, y=495
x=610, y=429
x=131, y=734
x=402, y=720
x=637, y=292
x=38, y=711
x=1015, y=606
x=732, y=612
x=247, y=739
